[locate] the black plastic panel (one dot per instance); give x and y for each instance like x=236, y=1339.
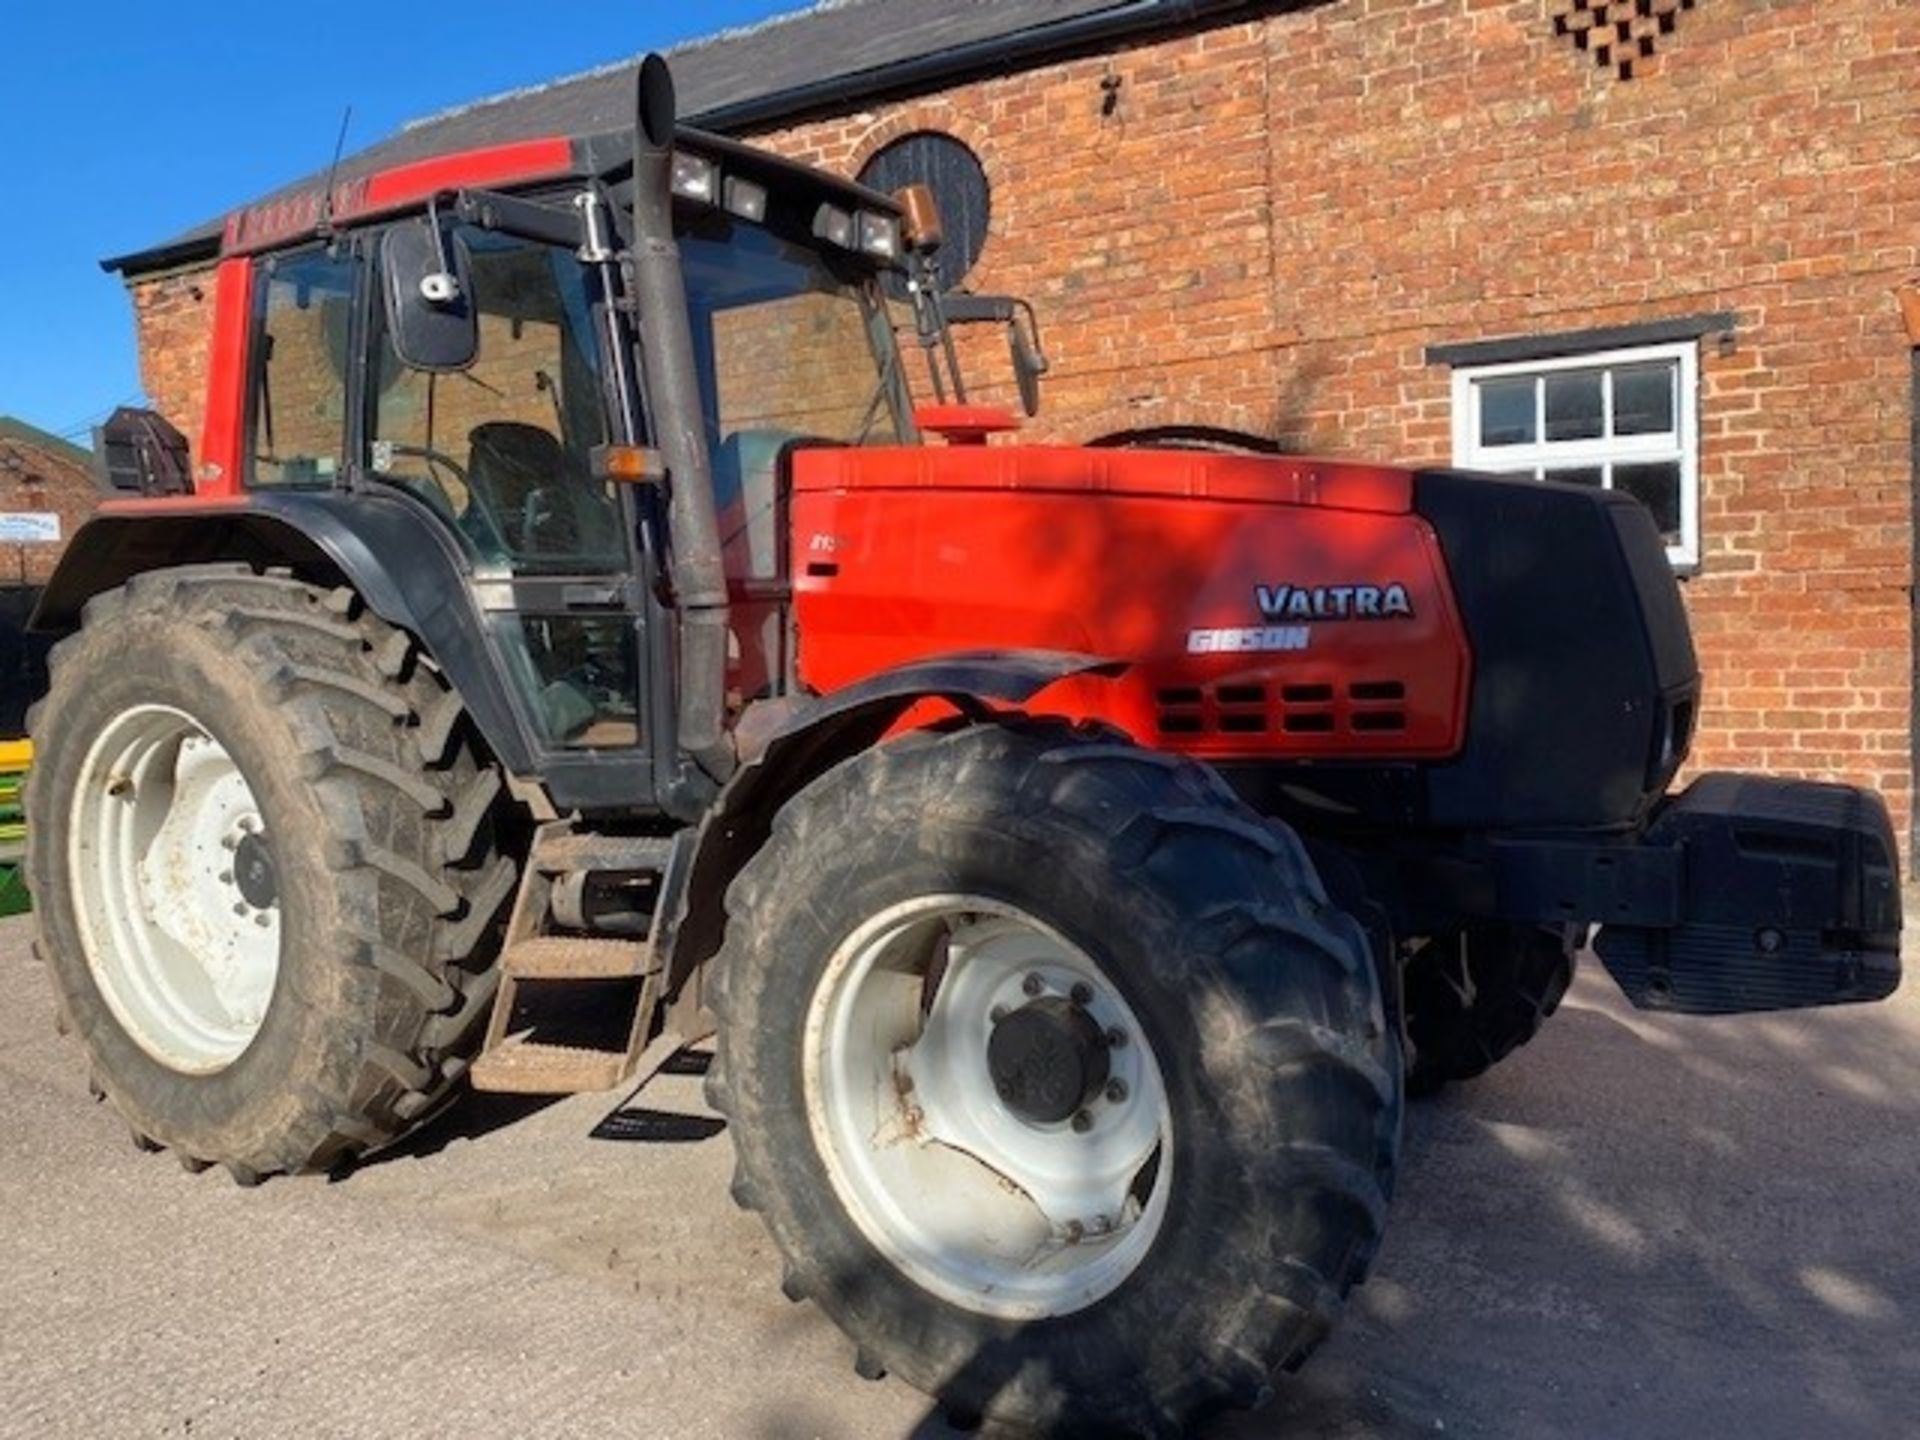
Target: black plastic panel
x=1580, y=654
x=1791, y=898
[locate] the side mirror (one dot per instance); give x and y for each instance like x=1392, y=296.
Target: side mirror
x=427, y=287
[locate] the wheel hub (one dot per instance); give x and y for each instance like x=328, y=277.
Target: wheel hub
x=1048, y=1059
x=177, y=888
x=988, y=1107
x=253, y=872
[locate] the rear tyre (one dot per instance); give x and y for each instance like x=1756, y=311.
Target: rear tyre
x=267, y=876
x=1475, y=996
x=1057, y=1080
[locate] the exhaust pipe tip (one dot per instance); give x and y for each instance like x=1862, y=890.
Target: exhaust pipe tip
x=658, y=109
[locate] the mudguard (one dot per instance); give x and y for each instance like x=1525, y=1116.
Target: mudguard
x=395, y=556
x=783, y=754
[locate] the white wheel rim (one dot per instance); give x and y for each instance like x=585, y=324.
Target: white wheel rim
x=982, y=1206
x=184, y=949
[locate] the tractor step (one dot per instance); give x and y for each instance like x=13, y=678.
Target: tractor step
x=569, y=958
x=560, y=854
x=521, y=1067
x=575, y=1010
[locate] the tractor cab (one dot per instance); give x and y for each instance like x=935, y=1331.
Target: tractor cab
x=587, y=368
x=462, y=360
x=502, y=395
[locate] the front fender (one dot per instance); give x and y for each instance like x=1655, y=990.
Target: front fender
x=781, y=756
x=398, y=558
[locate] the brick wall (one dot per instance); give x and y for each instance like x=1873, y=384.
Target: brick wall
x=40, y=479
x=1266, y=224
x=172, y=321
x=1274, y=220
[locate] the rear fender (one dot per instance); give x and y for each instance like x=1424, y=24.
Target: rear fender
x=389, y=550
x=782, y=756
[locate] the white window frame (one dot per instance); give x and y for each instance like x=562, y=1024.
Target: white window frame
x=1681, y=443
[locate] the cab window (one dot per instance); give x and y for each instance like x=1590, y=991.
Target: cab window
x=502, y=449
x=303, y=311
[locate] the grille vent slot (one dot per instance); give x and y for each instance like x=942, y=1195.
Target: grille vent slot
x=1306, y=708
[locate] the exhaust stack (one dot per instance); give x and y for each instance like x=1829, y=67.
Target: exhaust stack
x=673, y=392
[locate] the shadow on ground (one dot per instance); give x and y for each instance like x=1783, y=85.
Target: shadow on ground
x=1640, y=1226
x=1646, y=1226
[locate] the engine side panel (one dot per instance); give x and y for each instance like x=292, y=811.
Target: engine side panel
x=1255, y=628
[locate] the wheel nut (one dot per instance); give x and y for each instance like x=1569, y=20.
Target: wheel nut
x=997, y=1014
x=240, y=909
x=1082, y=1122
x=1033, y=985
x=1076, y=1232
x=1116, y=1037
x=1082, y=994
x=226, y=877
x=1116, y=1091
x=262, y=919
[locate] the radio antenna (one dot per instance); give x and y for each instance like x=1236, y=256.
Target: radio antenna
x=325, y=225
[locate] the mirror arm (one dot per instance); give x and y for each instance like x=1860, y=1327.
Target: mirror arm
x=443, y=286
x=927, y=320
x=528, y=219
x=935, y=327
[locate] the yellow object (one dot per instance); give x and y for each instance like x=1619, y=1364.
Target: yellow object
x=15, y=754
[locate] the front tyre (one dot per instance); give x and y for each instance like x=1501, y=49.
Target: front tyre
x=1475, y=996
x=266, y=870
x=1058, y=1082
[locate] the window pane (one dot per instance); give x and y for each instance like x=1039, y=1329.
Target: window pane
x=1575, y=408
x=1643, y=399
x=300, y=395
x=1658, y=488
x=1507, y=412
x=785, y=343
x=1580, y=475
x=585, y=668
x=502, y=449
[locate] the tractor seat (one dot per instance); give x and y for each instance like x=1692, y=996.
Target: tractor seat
x=522, y=481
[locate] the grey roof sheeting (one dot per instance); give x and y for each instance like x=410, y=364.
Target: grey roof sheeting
x=836, y=52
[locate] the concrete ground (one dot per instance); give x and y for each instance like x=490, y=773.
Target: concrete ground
x=1637, y=1227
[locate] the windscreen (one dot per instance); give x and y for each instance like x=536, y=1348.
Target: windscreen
x=792, y=348
x=787, y=341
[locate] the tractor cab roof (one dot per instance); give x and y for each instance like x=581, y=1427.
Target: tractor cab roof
x=297, y=216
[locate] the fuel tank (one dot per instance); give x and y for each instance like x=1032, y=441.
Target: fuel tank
x=1269, y=608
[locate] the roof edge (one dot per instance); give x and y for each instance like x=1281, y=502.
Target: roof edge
x=1018, y=50
x=25, y=432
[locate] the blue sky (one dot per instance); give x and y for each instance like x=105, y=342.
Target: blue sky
x=123, y=122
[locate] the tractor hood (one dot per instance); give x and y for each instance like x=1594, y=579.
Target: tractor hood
x=1265, y=606
x=1521, y=643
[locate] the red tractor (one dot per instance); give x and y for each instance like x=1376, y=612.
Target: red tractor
x=572, y=648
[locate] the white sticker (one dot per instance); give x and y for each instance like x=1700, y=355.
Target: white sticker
x=29, y=527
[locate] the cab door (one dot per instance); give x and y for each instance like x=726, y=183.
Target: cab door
x=500, y=451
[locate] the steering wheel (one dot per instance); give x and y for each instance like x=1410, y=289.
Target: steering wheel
x=473, y=519
x=437, y=493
